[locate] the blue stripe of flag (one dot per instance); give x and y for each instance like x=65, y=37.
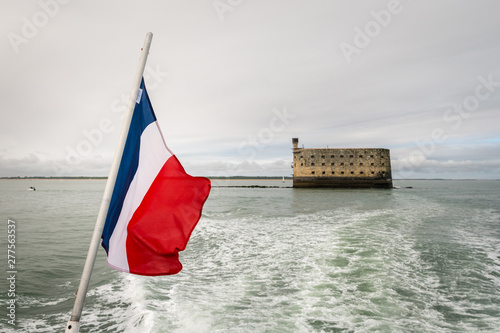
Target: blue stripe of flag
x=142, y=117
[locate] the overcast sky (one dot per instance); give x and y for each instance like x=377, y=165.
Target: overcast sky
x=232, y=81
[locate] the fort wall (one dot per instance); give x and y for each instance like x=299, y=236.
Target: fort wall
x=341, y=167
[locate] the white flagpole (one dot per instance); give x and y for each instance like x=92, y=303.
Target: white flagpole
x=73, y=325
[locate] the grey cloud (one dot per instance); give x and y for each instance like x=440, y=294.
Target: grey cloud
x=225, y=77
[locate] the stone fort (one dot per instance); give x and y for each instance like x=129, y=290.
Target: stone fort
x=341, y=167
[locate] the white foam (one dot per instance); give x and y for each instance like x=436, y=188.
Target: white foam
x=347, y=267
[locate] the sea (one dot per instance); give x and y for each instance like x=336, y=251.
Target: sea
x=422, y=257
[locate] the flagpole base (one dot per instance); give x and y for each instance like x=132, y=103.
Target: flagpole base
x=72, y=327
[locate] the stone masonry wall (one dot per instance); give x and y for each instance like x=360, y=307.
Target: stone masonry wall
x=341, y=167
x=342, y=162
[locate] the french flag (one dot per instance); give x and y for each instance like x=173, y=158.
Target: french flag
x=155, y=204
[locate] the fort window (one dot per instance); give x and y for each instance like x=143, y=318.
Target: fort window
x=341, y=156
x=351, y=163
x=352, y=172
x=333, y=172
x=312, y=164
x=360, y=156
x=342, y=163
x=341, y=172
x=312, y=156
x=322, y=163
x=372, y=164
x=371, y=156
x=351, y=156
x=301, y=164
x=360, y=164
x=302, y=156
x=361, y=173
x=312, y=172
x=333, y=156
x=373, y=172
x=333, y=163
x=323, y=172
x=383, y=164
x=322, y=156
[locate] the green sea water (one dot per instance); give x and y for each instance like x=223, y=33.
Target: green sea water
x=420, y=259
